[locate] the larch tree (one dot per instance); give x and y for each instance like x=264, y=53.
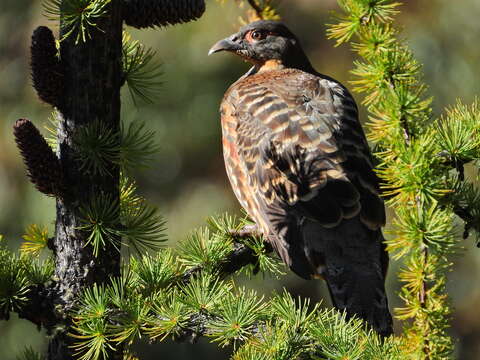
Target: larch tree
x=95, y=304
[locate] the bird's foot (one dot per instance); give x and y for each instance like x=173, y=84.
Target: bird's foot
x=246, y=231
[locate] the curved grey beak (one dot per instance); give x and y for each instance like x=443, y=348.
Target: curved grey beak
x=227, y=44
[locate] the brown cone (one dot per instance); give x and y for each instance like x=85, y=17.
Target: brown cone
x=151, y=13
x=42, y=164
x=47, y=73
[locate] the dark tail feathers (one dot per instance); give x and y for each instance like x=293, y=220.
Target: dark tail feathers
x=353, y=261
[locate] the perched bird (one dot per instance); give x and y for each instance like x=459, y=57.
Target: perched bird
x=299, y=163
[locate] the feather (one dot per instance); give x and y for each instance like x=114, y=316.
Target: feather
x=299, y=163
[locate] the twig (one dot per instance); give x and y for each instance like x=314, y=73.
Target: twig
x=39, y=307
x=240, y=256
x=256, y=7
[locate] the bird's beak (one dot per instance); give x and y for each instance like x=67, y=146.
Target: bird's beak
x=228, y=44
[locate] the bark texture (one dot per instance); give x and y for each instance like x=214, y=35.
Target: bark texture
x=92, y=75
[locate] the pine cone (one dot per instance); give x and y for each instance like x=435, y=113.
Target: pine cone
x=151, y=13
x=47, y=74
x=43, y=166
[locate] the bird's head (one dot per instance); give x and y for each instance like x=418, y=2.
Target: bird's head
x=265, y=43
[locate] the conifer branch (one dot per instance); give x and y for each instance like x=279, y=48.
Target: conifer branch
x=141, y=71
x=258, y=10
x=30, y=354
x=241, y=256
x=413, y=176
x=23, y=288
x=78, y=17
x=261, y=10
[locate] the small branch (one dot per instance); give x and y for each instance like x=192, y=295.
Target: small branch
x=39, y=308
x=258, y=10
x=197, y=326
x=406, y=130
x=240, y=256
x=423, y=291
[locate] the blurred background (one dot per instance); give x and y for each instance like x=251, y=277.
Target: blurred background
x=187, y=179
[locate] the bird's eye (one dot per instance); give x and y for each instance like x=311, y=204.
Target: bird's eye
x=257, y=35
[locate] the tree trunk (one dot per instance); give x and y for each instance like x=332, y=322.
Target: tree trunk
x=92, y=81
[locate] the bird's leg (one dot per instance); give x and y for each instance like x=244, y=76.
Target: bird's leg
x=251, y=231
x=246, y=231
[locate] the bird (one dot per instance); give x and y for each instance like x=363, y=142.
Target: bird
x=299, y=164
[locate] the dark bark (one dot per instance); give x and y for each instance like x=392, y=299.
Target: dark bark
x=92, y=75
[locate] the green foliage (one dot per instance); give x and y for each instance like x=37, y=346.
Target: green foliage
x=38, y=271
x=78, y=17
x=154, y=273
x=204, y=292
x=136, y=224
x=169, y=317
x=129, y=320
x=416, y=156
x=157, y=298
x=238, y=313
x=358, y=13
x=51, y=127
x=257, y=9
x=30, y=354
x=35, y=240
x=90, y=325
x=100, y=221
x=266, y=263
x=100, y=146
x=143, y=228
x=137, y=146
x=13, y=283
x=17, y=276
x=296, y=314
x=203, y=248
x=457, y=133
x=183, y=293
x=141, y=71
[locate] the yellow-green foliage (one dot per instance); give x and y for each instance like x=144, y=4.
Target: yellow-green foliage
x=416, y=157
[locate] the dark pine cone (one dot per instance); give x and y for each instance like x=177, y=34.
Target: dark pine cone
x=150, y=13
x=43, y=166
x=47, y=74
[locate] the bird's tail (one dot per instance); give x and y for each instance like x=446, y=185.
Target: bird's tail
x=361, y=294
x=352, y=260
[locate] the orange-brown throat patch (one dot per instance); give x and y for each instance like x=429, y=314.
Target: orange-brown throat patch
x=269, y=65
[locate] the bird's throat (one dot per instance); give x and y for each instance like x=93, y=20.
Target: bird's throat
x=274, y=64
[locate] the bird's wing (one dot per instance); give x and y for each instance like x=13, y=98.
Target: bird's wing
x=299, y=163
x=302, y=147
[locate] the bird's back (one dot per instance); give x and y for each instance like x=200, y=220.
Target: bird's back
x=300, y=165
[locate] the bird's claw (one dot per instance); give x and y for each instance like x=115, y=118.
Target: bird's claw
x=246, y=231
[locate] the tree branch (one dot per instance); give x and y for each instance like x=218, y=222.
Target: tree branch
x=256, y=7
x=240, y=256
x=39, y=308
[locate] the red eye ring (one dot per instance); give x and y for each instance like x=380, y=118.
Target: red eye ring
x=257, y=35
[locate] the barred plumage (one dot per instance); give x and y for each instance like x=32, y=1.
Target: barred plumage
x=299, y=163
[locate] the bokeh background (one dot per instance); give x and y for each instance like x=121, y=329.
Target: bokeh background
x=187, y=179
